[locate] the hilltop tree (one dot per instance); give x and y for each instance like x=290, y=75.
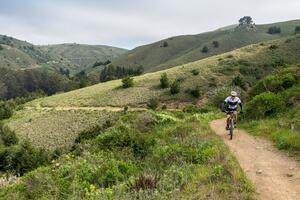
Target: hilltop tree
x=205, y=49
x=165, y=44
x=297, y=29
x=246, y=21
x=216, y=44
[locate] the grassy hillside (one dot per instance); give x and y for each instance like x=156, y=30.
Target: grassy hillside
x=250, y=64
x=77, y=57
x=16, y=54
x=148, y=155
x=184, y=49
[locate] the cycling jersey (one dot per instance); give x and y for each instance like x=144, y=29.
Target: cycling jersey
x=232, y=103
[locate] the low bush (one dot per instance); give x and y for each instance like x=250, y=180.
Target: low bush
x=205, y=49
x=153, y=104
x=297, y=29
x=195, y=92
x=195, y=72
x=6, y=109
x=264, y=104
x=7, y=137
x=175, y=87
x=22, y=158
x=274, y=30
x=273, y=47
x=127, y=82
x=164, y=81
x=240, y=81
x=93, y=132
x=124, y=137
x=215, y=44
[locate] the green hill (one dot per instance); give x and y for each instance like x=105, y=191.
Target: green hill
x=242, y=67
x=184, y=49
x=16, y=54
x=78, y=57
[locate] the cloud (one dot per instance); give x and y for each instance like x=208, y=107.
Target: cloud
x=132, y=22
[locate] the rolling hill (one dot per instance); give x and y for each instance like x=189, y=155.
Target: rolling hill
x=78, y=57
x=16, y=54
x=250, y=64
x=179, y=50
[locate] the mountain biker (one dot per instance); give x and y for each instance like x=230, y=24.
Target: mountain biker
x=231, y=104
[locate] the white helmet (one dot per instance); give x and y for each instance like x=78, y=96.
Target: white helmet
x=233, y=93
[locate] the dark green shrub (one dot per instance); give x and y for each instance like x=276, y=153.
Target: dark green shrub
x=93, y=132
x=22, y=158
x=216, y=44
x=190, y=108
x=153, y=104
x=110, y=172
x=195, y=92
x=165, y=44
x=205, y=49
x=127, y=82
x=175, y=87
x=273, y=47
x=125, y=109
x=239, y=81
x=164, y=81
x=264, y=104
x=6, y=109
x=124, y=137
x=7, y=136
x=274, y=30
x=220, y=96
x=297, y=29
x=164, y=107
x=1, y=47
x=195, y=72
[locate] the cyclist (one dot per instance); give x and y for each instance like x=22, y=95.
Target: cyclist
x=231, y=104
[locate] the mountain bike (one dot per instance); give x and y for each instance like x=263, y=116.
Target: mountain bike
x=231, y=123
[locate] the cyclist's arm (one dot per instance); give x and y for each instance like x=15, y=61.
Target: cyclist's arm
x=241, y=105
x=223, y=106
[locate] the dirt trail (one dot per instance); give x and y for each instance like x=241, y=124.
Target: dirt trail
x=275, y=175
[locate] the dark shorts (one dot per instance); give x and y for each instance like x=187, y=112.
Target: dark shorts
x=230, y=109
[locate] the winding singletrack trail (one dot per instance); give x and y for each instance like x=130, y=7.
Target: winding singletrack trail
x=275, y=175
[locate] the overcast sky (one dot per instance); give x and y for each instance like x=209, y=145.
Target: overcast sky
x=130, y=23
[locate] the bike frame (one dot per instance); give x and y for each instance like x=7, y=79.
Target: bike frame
x=231, y=123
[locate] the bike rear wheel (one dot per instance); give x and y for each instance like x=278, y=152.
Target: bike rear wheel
x=231, y=127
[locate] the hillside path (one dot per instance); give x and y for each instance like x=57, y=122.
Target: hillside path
x=275, y=175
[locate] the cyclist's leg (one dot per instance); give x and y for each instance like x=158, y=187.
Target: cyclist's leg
x=235, y=115
x=227, y=122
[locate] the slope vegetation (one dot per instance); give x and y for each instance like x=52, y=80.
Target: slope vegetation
x=16, y=54
x=77, y=57
x=277, y=116
x=250, y=64
x=148, y=155
x=184, y=49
